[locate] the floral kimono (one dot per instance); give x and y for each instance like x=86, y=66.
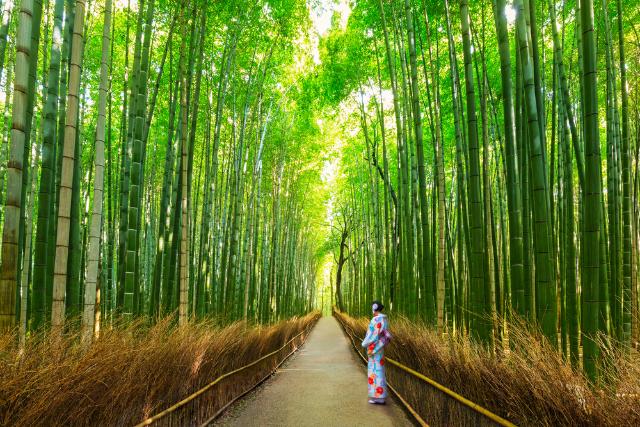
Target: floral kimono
x=375, y=350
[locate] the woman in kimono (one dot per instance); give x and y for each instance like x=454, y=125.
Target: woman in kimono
x=374, y=342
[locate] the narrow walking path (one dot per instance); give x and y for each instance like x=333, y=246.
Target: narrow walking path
x=323, y=385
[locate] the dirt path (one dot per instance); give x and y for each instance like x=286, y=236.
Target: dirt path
x=322, y=385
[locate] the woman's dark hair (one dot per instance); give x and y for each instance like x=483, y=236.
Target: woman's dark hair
x=378, y=304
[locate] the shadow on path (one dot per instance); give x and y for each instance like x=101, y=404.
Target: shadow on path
x=322, y=385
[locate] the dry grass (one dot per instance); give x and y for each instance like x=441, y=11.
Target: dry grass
x=530, y=386
x=132, y=372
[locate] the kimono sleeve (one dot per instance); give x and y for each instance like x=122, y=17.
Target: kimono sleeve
x=379, y=326
x=372, y=334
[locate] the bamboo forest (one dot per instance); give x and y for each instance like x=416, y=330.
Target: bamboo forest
x=190, y=188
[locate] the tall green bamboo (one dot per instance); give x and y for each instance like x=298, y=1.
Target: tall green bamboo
x=545, y=296
x=68, y=162
x=511, y=161
x=23, y=87
x=184, y=232
x=46, y=196
x=481, y=324
x=592, y=195
x=422, y=180
x=95, y=224
x=626, y=190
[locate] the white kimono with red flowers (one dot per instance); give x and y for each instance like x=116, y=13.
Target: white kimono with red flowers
x=375, y=350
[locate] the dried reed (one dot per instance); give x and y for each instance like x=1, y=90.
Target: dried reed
x=131, y=372
x=531, y=385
